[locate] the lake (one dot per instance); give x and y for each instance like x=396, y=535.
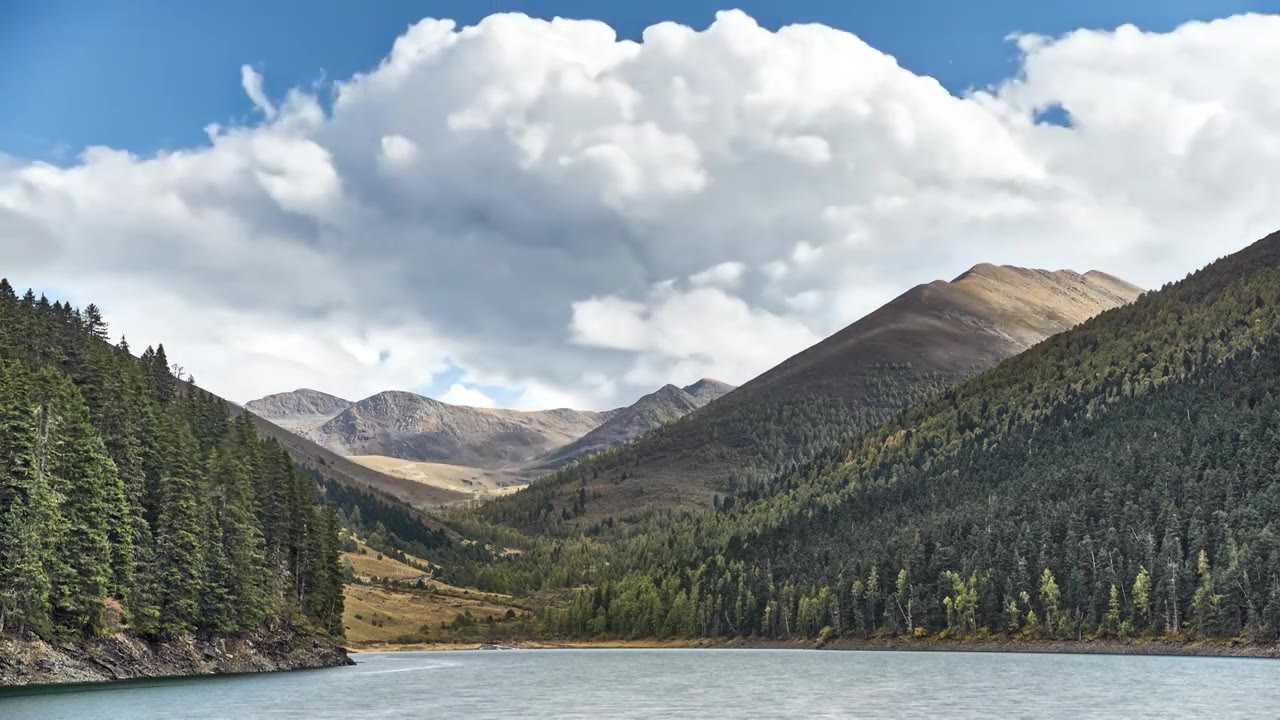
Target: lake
x=692, y=683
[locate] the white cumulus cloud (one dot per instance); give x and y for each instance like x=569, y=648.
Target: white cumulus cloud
x=251, y=81
x=575, y=218
x=459, y=394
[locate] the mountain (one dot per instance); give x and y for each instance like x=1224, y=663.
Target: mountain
x=986, y=314
x=1118, y=480
x=927, y=339
x=430, y=453
x=329, y=465
x=412, y=427
x=298, y=410
x=708, y=389
x=662, y=406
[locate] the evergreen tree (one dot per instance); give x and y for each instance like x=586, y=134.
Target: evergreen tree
x=85, y=483
x=24, y=583
x=180, y=554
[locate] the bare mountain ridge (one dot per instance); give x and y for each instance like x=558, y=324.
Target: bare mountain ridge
x=336, y=467
x=407, y=426
x=708, y=389
x=412, y=427
x=302, y=401
x=300, y=410
x=986, y=314
x=466, y=452
x=662, y=406
x=927, y=339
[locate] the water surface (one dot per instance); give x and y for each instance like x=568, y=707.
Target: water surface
x=692, y=683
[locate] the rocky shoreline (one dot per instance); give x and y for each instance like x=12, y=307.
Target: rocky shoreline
x=1137, y=646
x=126, y=657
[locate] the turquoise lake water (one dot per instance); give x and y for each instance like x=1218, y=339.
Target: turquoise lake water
x=692, y=684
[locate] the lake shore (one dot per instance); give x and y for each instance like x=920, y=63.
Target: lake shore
x=1142, y=646
x=126, y=657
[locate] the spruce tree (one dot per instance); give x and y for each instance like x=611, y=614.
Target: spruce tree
x=86, y=484
x=238, y=538
x=24, y=583
x=179, y=557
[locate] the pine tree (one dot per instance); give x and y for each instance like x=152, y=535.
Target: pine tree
x=1142, y=600
x=85, y=481
x=217, y=597
x=326, y=601
x=238, y=537
x=94, y=325
x=179, y=558
x=24, y=584
x=1050, y=599
x=1111, y=622
x=1205, y=604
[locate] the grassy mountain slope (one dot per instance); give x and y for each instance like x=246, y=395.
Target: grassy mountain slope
x=1119, y=479
x=390, y=601
x=463, y=482
x=929, y=338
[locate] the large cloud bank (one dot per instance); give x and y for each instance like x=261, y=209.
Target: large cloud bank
x=542, y=208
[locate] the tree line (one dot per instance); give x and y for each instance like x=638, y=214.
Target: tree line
x=131, y=500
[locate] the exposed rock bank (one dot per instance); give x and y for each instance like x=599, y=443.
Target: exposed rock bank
x=124, y=657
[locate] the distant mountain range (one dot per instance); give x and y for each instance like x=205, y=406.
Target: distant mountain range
x=412, y=427
x=470, y=450
x=679, y=446
x=927, y=339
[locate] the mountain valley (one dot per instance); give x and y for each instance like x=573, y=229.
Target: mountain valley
x=457, y=453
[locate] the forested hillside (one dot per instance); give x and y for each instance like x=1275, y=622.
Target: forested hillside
x=929, y=338
x=1119, y=479
x=131, y=501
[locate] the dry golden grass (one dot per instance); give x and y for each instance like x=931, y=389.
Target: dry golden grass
x=470, y=481
x=376, y=615
x=379, y=615
x=367, y=564
x=446, y=589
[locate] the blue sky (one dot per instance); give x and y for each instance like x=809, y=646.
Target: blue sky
x=485, y=221
x=151, y=74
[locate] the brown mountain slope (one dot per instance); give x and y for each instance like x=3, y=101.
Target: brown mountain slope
x=662, y=406
x=927, y=339
x=983, y=316
x=473, y=452
x=335, y=467
x=412, y=427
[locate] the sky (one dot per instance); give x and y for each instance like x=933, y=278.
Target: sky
x=492, y=206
